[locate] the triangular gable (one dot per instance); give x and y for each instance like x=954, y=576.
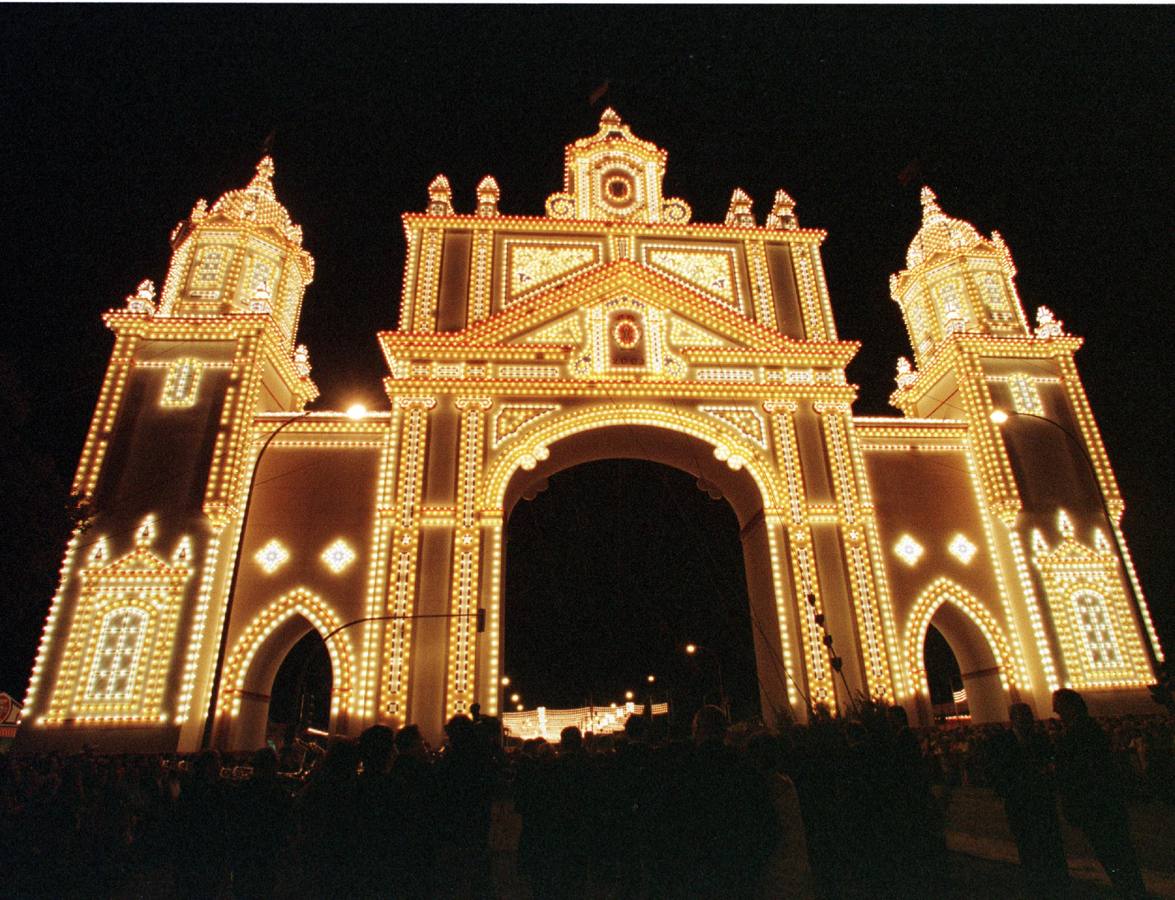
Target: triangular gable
x=1071, y=553
x=567, y=330
x=140, y=565
x=709, y=322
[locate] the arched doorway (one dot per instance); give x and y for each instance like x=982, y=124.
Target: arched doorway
x=987, y=668
x=735, y=476
x=300, y=696
x=252, y=668
x=944, y=677
x=611, y=571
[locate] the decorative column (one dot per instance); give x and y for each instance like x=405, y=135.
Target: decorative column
x=801, y=558
x=848, y=486
x=410, y=416
x=463, y=603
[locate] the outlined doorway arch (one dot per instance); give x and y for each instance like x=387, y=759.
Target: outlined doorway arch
x=685, y=440
x=992, y=673
x=251, y=667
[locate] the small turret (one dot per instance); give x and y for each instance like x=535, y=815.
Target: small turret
x=440, y=197
x=783, y=213
x=488, y=195
x=739, y=214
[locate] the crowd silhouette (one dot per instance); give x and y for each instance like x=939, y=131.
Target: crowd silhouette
x=838, y=807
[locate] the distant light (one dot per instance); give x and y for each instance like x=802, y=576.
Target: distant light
x=356, y=411
x=519, y=707
x=514, y=698
x=505, y=681
x=628, y=695
x=651, y=679
x=691, y=649
x=999, y=416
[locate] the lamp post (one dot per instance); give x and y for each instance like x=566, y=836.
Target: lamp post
x=693, y=650
x=206, y=739
x=1000, y=417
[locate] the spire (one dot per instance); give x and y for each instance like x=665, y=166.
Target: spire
x=939, y=232
x=610, y=118
x=256, y=203
x=262, y=182
x=930, y=207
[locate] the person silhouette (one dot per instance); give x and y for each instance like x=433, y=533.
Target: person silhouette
x=1092, y=792
x=1021, y=773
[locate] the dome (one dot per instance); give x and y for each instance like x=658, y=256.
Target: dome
x=939, y=232
x=258, y=203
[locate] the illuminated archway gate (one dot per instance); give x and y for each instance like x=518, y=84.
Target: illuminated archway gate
x=612, y=326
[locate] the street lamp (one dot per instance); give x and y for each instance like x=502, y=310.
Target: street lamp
x=628, y=695
x=1000, y=417
x=694, y=650
x=514, y=698
x=651, y=679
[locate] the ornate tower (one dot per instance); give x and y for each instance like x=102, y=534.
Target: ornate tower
x=1045, y=475
x=125, y=657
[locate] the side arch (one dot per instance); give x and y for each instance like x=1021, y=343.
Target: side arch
x=943, y=591
x=526, y=449
x=298, y=602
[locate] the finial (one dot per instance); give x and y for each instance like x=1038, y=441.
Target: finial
x=1005, y=252
x=99, y=554
x=1064, y=524
x=930, y=207
x=488, y=194
x=739, y=215
x=183, y=552
x=610, y=117
x=200, y=210
x=1047, y=325
x=1040, y=546
x=143, y=300
x=145, y=535
x=302, y=360
x=263, y=180
x=906, y=375
x=782, y=215
x=1100, y=543
x=440, y=197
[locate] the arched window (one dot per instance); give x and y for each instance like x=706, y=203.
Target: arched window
x=120, y=644
x=1097, y=634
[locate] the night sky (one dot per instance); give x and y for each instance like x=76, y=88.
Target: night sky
x=1049, y=124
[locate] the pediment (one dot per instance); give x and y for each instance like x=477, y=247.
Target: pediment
x=140, y=564
x=692, y=319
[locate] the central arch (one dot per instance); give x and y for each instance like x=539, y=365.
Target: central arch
x=687, y=441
